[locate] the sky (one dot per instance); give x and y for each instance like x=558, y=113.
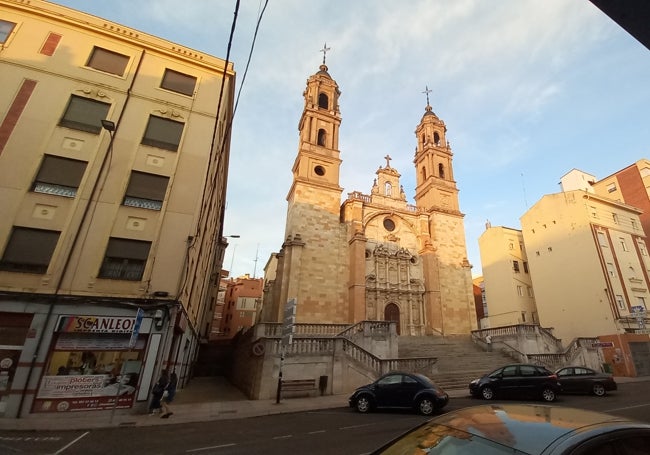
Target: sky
x=528, y=89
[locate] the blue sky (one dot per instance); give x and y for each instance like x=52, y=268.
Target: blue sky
x=528, y=89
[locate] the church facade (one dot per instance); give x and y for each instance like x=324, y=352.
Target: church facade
x=373, y=256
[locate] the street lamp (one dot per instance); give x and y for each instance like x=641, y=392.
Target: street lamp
x=232, y=259
x=108, y=126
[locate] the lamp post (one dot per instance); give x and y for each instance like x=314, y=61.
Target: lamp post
x=232, y=259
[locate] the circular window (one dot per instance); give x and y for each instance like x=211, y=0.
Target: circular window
x=389, y=224
x=319, y=170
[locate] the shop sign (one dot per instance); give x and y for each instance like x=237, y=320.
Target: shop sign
x=82, y=392
x=96, y=324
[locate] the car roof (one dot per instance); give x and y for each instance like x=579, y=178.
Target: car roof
x=529, y=428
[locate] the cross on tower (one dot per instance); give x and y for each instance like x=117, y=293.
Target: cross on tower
x=324, y=51
x=427, y=91
x=387, y=158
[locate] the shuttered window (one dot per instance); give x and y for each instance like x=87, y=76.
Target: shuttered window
x=29, y=250
x=108, y=61
x=125, y=259
x=85, y=114
x=59, y=176
x=163, y=133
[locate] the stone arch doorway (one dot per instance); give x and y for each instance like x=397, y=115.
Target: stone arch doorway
x=391, y=313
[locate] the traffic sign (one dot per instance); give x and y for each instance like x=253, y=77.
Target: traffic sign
x=288, y=322
x=136, y=328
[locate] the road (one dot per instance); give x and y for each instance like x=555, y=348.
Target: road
x=340, y=430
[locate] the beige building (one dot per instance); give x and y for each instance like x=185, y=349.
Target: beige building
x=508, y=285
x=111, y=196
x=374, y=257
x=589, y=264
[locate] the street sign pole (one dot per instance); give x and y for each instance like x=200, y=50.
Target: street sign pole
x=139, y=315
x=288, y=329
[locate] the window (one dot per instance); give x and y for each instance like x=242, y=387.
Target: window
x=84, y=114
x=125, y=259
x=441, y=171
x=621, y=240
x=321, y=137
x=611, y=187
x=642, y=248
x=107, y=61
x=163, y=133
x=520, y=291
x=323, y=101
x=59, y=176
x=633, y=223
x=511, y=246
x=6, y=28
x=594, y=211
x=602, y=240
x=615, y=218
x=29, y=250
x=525, y=267
x=388, y=189
x=389, y=224
x=515, y=266
x=530, y=291
x=610, y=270
x=178, y=82
x=146, y=191
x=620, y=302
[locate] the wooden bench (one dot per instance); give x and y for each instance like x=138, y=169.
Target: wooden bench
x=299, y=387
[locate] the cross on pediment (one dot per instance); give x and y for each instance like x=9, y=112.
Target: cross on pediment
x=387, y=158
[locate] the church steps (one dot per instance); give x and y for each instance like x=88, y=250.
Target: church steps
x=459, y=359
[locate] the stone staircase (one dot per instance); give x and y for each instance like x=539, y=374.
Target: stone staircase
x=459, y=359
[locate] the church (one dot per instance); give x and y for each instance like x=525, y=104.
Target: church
x=371, y=257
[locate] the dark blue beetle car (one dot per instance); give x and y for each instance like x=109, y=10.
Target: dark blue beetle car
x=398, y=390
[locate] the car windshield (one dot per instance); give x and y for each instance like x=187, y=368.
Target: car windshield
x=433, y=439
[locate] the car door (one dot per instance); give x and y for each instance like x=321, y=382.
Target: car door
x=568, y=380
x=387, y=391
x=529, y=380
x=508, y=384
x=407, y=392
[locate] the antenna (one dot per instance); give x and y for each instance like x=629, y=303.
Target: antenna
x=523, y=186
x=255, y=268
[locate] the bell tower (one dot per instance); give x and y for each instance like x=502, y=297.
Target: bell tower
x=317, y=165
x=435, y=188
x=310, y=269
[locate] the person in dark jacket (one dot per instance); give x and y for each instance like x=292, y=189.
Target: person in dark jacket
x=168, y=397
x=157, y=393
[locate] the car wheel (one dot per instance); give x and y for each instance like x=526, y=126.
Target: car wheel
x=598, y=390
x=364, y=404
x=426, y=407
x=548, y=394
x=487, y=393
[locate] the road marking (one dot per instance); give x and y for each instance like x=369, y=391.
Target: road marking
x=62, y=449
x=211, y=447
x=352, y=427
x=317, y=431
x=286, y=436
x=627, y=407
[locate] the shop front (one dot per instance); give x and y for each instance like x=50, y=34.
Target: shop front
x=94, y=363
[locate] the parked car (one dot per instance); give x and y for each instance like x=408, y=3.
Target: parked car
x=399, y=390
x=518, y=380
x=531, y=429
x=585, y=380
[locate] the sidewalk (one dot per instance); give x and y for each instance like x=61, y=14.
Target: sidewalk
x=204, y=399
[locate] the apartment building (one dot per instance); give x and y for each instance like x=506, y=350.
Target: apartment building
x=589, y=266
x=507, y=280
x=112, y=195
x=242, y=305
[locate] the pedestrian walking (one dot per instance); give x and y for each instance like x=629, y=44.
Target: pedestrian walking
x=168, y=396
x=157, y=393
